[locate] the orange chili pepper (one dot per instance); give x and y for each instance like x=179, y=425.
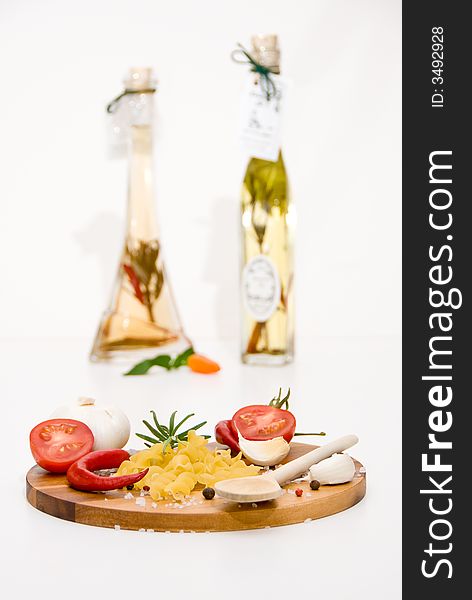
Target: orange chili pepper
x=202, y=364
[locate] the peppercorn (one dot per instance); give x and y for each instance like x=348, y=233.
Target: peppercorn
x=298, y=492
x=146, y=488
x=130, y=487
x=208, y=493
x=314, y=484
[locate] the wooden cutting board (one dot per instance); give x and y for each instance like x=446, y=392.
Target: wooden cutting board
x=51, y=494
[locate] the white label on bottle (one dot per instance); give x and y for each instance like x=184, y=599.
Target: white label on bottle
x=261, y=118
x=261, y=288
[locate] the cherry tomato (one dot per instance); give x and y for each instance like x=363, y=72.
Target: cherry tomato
x=57, y=443
x=260, y=422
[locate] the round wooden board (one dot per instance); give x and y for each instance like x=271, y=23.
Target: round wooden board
x=51, y=494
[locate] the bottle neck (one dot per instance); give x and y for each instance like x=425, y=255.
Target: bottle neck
x=265, y=49
x=142, y=224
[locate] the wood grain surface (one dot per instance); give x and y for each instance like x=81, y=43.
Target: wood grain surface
x=51, y=494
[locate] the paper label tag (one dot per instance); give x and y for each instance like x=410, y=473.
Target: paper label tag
x=261, y=118
x=261, y=288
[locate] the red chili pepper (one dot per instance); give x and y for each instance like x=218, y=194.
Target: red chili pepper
x=80, y=475
x=133, y=279
x=227, y=435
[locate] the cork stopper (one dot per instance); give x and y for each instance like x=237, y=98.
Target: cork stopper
x=139, y=78
x=266, y=51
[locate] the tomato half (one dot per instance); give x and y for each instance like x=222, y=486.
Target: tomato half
x=57, y=443
x=259, y=422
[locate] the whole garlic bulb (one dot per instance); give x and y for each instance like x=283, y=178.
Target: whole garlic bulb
x=339, y=468
x=110, y=426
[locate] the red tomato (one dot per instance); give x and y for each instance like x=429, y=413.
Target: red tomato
x=57, y=443
x=260, y=422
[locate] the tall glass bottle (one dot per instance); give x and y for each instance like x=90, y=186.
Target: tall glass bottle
x=267, y=247
x=142, y=313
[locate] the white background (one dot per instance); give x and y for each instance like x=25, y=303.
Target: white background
x=62, y=209
x=63, y=195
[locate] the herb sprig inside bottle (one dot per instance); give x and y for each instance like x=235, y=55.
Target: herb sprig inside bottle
x=168, y=435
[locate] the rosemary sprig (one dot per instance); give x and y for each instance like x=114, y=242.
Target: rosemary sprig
x=168, y=435
x=144, y=274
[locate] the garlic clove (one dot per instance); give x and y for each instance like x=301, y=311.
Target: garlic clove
x=264, y=453
x=339, y=468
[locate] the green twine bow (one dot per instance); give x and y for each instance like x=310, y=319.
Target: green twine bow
x=267, y=83
x=111, y=106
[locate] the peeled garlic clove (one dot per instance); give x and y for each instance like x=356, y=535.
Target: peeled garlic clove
x=339, y=468
x=265, y=453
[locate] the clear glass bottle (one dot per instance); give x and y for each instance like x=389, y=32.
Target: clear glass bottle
x=142, y=313
x=267, y=247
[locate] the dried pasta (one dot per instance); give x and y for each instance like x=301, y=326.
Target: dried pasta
x=175, y=472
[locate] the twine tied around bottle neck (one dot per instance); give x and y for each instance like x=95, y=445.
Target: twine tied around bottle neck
x=111, y=106
x=267, y=83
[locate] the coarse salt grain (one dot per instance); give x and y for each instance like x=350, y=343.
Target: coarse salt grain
x=154, y=505
x=362, y=470
x=128, y=496
x=307, y=520
x=117, y=527
x=254, y=505
x=140, y=501
x=142, y=529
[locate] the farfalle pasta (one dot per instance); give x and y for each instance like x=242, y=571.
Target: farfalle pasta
x=174, y=473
